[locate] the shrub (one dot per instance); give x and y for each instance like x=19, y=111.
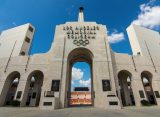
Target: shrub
x=145, y=103
x=15, y=103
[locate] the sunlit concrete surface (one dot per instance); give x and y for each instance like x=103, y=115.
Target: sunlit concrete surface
x=81, y=112
x=44, y=80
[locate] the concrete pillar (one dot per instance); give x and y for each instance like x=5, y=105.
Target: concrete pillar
x=126, y=92
x=23, y=86
x=64, y=87
x=156, y=87
x=1, y=85
x=20, y=87
x=35, y=90
x=5, y=87
x=46, y=87
x=137, y=85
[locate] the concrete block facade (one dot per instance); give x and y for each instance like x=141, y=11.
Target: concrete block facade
x=44, y=80
x=16, y=41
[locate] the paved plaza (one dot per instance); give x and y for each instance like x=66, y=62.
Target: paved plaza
x=80, y=112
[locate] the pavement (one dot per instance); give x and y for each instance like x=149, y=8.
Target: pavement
x=152, y=111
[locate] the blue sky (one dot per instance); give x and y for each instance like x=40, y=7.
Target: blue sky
x=81, y=75
x=117, y=15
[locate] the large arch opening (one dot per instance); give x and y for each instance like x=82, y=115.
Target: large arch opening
x=125, y=86
x=79, y=78
x=147, y=84
x=33, y=89
x=10, y=88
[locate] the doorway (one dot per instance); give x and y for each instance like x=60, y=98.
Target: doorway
x=125, y=84
x=80, y=89
x=147, y=84
x=80, y=79
x=33, y=88
x=10, y=88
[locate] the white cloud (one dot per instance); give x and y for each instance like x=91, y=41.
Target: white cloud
x=145, y=80
x=149, y=16
x=16, y=80
x=116, y=37
x=85, y=82
x=77, y=73
x=72, y=82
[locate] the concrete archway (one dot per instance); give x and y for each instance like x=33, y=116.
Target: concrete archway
x=32, y=91
x=147, y=84
x=78, y=55
x=127, y=97
x=9, y=88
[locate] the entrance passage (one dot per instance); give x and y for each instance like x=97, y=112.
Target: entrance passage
x=147, y=83
x=127, y=96
x=10, y=88
x=80, y=85
x=11, y=92
x=33, y=88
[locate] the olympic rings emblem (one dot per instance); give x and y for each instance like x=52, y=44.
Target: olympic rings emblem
x=81, y=42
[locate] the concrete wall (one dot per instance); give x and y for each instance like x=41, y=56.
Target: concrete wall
x=105, y=66
x=136, y=66
x=144, y=40
x=101, y=59
x=14, y=40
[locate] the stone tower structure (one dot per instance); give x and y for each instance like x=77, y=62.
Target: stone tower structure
x=117, y=80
